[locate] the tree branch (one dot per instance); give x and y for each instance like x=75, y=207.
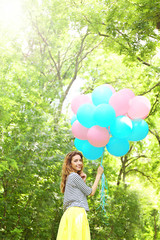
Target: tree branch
x=65, y=54
x=130, y=150
x=156, y=85
x=155, y=133
x=90, y=51
x=154, y=104
x=145, y=63
x=119, y=177
x=45, y=41
x=138, y=58
x=124, y=36
x=141, y=156
x=142, y=173
x=76, y=67
x=77, y=62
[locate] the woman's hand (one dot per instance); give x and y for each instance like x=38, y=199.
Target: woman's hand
x=98, y=177
x=83, y=176
x=100, y=170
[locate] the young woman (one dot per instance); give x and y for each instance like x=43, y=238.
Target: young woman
x=74, y=224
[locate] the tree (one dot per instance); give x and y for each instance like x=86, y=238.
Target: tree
x=100, y=42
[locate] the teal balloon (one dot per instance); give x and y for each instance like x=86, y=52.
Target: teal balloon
x=85, y=115
x=92, y=153
x=79, y=144
x=117, y=147
x=121, y=127
x=73, y=119
x=104, y=115
x=139, y=131
x=101, y=94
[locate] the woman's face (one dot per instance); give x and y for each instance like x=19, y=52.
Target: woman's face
x=76, y=163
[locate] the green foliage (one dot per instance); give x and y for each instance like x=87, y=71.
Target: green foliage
x=125, y=214
x=100, y=42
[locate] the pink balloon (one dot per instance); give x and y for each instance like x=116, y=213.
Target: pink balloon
x=98, y=136
x=110, y=86
x=78, y=101
x=139, y=107
x=120, y=101
x=79, y=131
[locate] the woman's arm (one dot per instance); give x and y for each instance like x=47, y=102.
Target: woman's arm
x=98, y=177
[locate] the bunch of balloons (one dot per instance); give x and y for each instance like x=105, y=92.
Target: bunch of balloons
x=106, y=118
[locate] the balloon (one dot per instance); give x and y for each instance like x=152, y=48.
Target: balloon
x=79, y=144
x=118, y=147
x=104, y=115
x=79, y=131
x=139, y=107
x=73, y=119
x=112, y=88
x=106, y=112
x=98, y=136
x=85, y=115
x=121, y=127
x=139, y=131
x=120, y=101
x=78, y=101
x=101, y=94
x=92, y=153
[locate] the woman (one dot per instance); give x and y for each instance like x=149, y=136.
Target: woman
x=74, y=224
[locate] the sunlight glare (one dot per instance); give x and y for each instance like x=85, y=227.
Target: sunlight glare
x=10, y=13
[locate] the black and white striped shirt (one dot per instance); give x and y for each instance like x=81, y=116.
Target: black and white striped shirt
x=76, y=192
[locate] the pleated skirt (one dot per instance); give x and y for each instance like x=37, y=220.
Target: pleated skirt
x=74, y=225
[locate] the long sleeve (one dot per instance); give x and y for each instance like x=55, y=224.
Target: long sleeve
x=81, y=184
x=76, y=192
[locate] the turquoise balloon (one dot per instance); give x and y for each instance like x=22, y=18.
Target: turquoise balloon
x=117, y=147
x=85, y=115
x=104, y=115
x=92, y=153
x=73, y=119
x=121, y=127
x=79, y=144
x=139, y=131
x=101, y=94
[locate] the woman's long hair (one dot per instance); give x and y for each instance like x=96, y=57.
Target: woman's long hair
x=67, y=169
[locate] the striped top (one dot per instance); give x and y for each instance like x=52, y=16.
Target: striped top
x=76, y=192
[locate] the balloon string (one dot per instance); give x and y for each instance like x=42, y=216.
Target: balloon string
x=102, y=159
x=104, y=189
